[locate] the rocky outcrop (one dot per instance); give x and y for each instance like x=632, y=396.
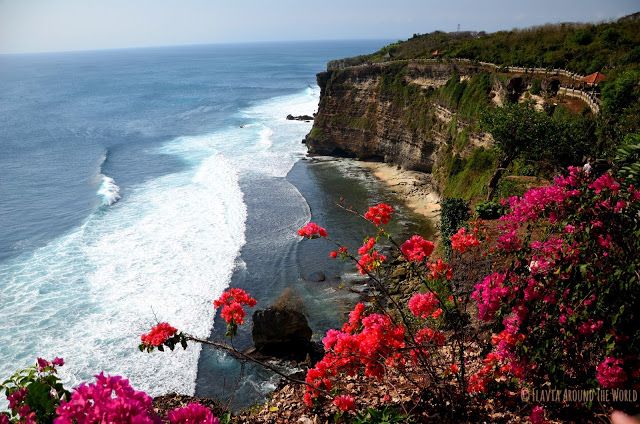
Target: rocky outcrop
x=305, y=118
x=282, y=333
x=383, y=112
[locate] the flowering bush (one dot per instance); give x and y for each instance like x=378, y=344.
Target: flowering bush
x=417, y=249
x=34, y=393
x=565, y=306
x=110, y=399
x=560, y=303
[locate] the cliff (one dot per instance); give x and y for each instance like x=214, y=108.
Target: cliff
x=418, y=103
x=408, y=113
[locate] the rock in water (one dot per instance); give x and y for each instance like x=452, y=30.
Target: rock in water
x=305, y=118
x=316, y=277
x=282, y=333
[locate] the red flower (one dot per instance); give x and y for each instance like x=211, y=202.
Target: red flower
x=312, y=230
x=461, y=241
x=345, y=402
x=423, y=304
x=231, y=302
x=370, y=261
x=158, y=335
x=417, y=249
x=429, y=335
x=379, y=214
x=366, y=247
x=42, y=364
x=440, y=269
x=17, y=397
x=342, y=252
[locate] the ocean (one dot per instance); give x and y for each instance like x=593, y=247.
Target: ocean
x=136, y=185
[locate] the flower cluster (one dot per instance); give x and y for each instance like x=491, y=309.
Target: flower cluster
x=379, y=214
x=110, y=399
x=312, y=230
x=462, y=241
x=369, y=259
x=158, y=335
x=440, y=269
x=610, y=373
x=18, y=405
x=489, y=295
x=43, y=364
x=416, y=249
x=194, y=413
x=345, y=402
x=366, y=343
x=232, y=302
x=564, y=297
x=342, y=252
x=34, y=392
x=423, y=305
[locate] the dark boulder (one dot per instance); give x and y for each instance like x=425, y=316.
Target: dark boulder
x=316, y=277
x=282, y=333
x=305, y=118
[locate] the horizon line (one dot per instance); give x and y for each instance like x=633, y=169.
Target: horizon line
x=221, y=43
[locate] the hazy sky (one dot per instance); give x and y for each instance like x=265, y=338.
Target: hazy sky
x=60, y=25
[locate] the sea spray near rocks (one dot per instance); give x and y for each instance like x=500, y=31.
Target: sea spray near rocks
x=109, y=191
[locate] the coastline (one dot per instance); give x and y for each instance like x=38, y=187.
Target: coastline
x=415, y=188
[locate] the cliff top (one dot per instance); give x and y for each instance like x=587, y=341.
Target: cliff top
x=579, y=47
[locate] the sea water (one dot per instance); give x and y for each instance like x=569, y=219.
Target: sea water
x=130, y=180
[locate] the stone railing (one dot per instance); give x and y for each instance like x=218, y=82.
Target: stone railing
x=589, y=98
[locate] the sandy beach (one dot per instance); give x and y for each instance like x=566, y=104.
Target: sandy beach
x=415, y=187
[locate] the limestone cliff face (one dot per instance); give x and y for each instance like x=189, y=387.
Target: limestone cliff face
x=383, y=112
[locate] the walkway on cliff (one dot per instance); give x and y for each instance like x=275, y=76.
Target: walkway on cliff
x=571, y=83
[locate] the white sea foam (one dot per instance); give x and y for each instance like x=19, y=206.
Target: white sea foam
x=264, y=142
x=167, y=250
x=108, y=191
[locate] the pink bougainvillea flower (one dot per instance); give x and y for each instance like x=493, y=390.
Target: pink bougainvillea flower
x=610, y=373
x=193, y=413
x=111, y=399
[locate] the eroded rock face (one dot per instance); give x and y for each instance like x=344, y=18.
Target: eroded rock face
x=282, y=333
x=381, y=112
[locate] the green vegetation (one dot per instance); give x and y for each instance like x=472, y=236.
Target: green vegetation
x=582, y=48
x=468, y=177
x=562, y=138
x=468, y=97
x=490, y=210
x=454, y=213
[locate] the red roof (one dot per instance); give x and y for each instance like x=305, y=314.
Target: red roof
x=594, y=78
